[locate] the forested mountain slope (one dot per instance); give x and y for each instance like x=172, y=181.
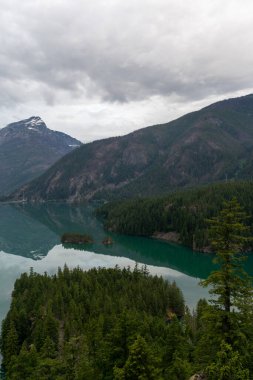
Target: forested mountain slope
x=27, y=149
x=181, y=216
x=213, y=144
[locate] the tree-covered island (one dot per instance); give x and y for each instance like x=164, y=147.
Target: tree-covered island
x=120, y=324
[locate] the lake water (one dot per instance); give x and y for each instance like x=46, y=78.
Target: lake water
x=30, y=237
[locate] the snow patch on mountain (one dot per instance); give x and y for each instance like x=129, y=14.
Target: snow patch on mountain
x=34, y=122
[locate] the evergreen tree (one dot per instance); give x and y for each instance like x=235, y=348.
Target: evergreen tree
x=102, y=312
x=229, y=319
x=228, y=365
x=180, y=369
x=176, y=351
x=22, y=366
x=11, y=347
x=48, y=349
x=140, y=365
x=184, y=212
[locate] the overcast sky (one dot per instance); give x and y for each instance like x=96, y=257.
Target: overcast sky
x=100, y=68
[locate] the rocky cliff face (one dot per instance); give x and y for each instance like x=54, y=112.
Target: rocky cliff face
x=27, y=149
x=213, y=144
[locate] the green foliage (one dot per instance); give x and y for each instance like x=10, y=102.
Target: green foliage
x=92, y=325
x=23, y=365
x=185, y=212
x=228, y=365
x=140, y=365
x=229, y=283
x=113, y=324
x=180, y=369
x=227, y=322
x=11, y=347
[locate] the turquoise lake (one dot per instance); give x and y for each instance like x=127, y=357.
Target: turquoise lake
x=30, y=237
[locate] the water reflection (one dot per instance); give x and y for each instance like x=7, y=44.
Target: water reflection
x=32, y=230
x=22, y=235
x=37, y=229
x=11, y=266
x=30, y=237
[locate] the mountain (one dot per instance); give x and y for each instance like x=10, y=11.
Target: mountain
x=213, y=144
x=27, y=149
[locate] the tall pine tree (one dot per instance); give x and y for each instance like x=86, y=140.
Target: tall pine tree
x=229, y=317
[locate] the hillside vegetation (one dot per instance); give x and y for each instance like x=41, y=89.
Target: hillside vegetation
x=89, y=325
x=210, y=145
x=118, y=324
x=181, y=214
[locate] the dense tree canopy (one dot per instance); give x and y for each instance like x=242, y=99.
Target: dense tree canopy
x=118, y=324
x=183, y=212
x=78, y=325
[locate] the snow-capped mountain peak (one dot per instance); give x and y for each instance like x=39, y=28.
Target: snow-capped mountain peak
x=33, y=122
x=28, y=147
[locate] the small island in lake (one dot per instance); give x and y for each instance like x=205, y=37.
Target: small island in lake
x=107, y=240
x=74, y=238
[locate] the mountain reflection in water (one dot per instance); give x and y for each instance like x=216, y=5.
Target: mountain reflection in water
x=30, y=237
x=32, y=230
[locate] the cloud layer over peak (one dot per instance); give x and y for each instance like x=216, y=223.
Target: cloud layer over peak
x=124, y=57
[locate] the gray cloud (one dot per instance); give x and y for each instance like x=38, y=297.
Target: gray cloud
x=80, y=54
